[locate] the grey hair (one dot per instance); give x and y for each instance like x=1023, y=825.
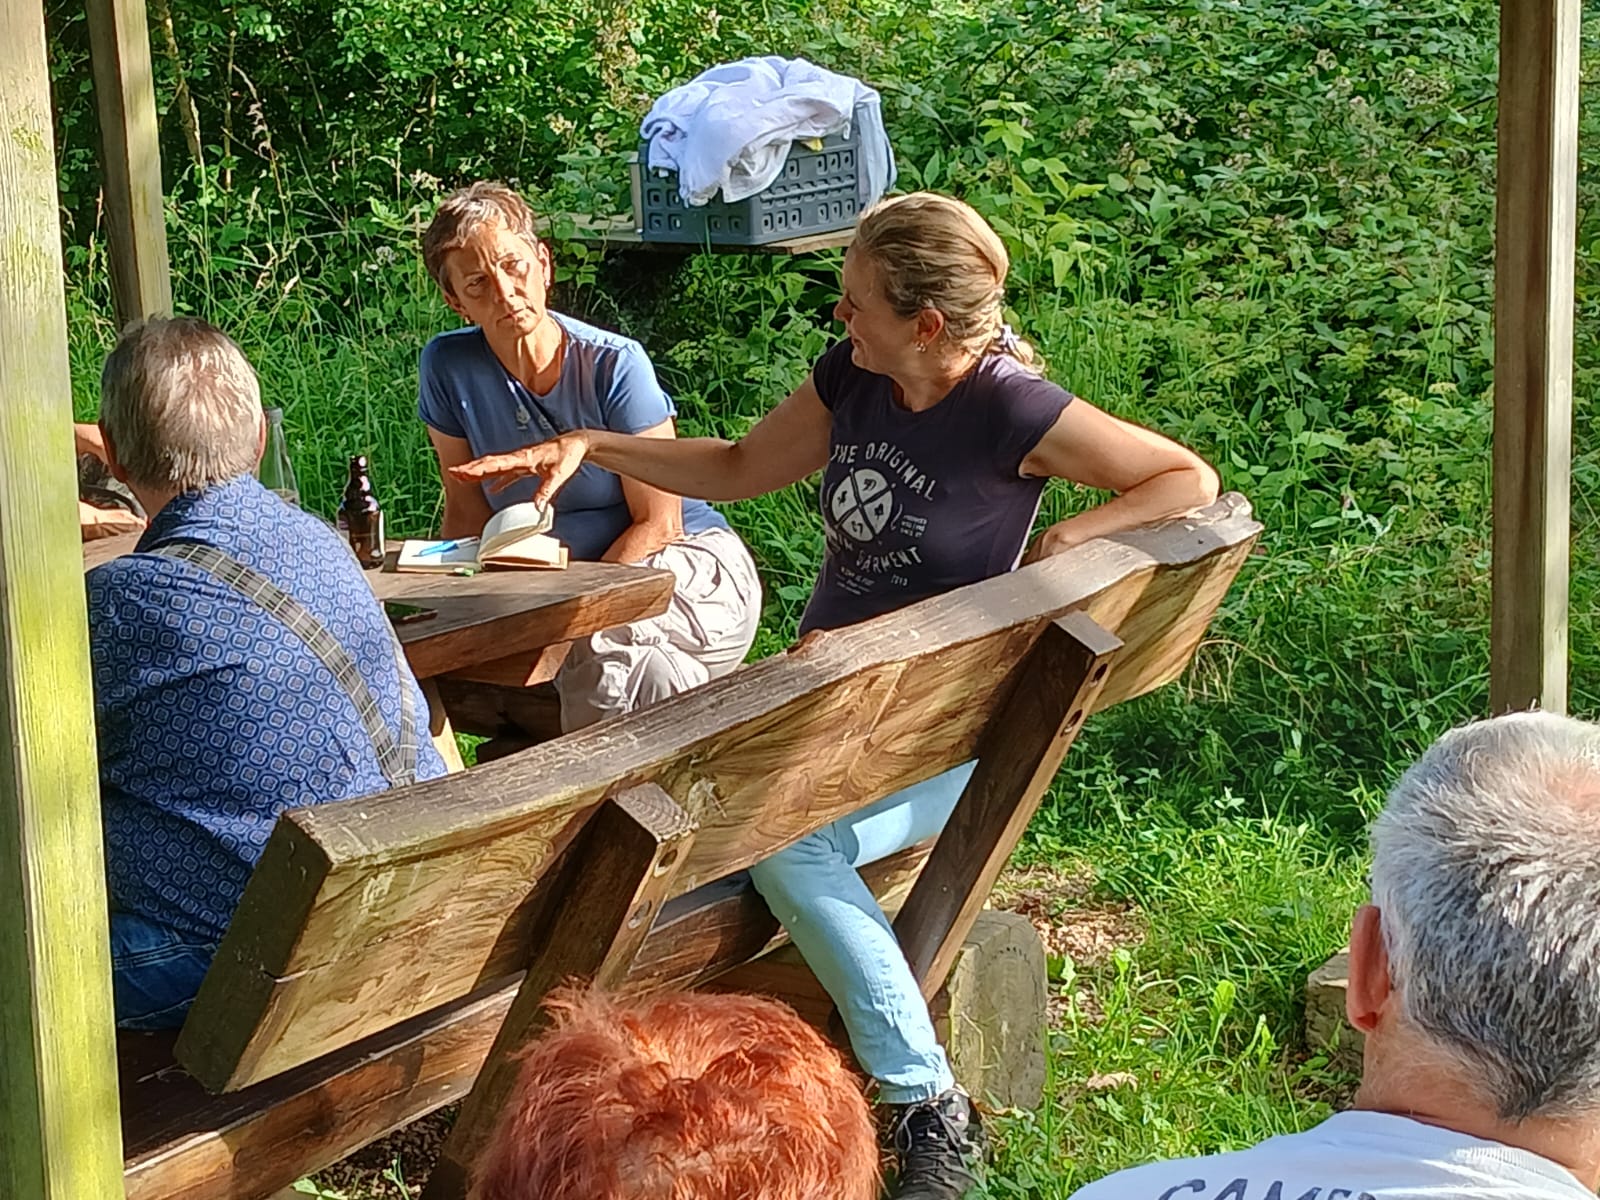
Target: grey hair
x=181, y=405
x=1486, y=871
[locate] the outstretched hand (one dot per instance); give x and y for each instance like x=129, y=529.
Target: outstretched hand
x=553, y=461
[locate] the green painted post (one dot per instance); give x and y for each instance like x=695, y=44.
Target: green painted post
x=60, y=1138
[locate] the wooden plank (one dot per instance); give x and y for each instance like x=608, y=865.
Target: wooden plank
x=183, y=1144
x=518, y=670
x=441, y=874
x=620, y=233
x=601, y=916
x=246, y=1025
x=1021, y=750
x=1535, y=231
x=486, y=617
x=58, y=1100
x=130, y=154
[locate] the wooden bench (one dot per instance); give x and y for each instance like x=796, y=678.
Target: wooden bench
x=386, y=948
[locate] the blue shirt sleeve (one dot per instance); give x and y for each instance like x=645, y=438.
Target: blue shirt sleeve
x=434, y=403
x=634, y=399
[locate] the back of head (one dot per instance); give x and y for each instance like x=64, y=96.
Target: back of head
x=933, y=251
x=181, y=405
x=1486, y=872
x=682, y=1097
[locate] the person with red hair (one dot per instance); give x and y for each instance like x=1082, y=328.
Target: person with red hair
x=681, y=1097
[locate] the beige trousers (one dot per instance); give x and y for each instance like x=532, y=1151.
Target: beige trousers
x=705, y=633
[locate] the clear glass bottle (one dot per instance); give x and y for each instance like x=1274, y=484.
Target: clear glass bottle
x=360, y=519
x=276, y=472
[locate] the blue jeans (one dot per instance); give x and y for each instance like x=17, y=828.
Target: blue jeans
x=155, y=972
x=834, y=920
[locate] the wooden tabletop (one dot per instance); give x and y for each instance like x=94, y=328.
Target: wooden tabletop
x=496, y=615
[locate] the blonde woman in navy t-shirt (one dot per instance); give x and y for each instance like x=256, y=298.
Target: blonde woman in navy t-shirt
x=935, y=437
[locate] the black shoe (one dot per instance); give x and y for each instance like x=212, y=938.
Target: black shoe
x=937, y=1142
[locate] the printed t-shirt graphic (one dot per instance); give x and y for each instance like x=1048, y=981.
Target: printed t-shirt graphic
x=917, y=503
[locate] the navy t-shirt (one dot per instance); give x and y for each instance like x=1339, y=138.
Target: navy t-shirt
x=607, y=382
x=918, y=503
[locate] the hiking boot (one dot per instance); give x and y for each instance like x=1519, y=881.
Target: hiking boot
x=937, y=1142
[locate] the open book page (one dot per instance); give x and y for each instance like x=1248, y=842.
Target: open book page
x=437, y=554
x=512, y=524
x=515, y=537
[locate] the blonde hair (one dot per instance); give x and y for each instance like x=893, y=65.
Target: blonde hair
x=466, y=211
x=181, y=405
x=935, y=252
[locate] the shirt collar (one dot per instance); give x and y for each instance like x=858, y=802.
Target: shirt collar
x=196, y=514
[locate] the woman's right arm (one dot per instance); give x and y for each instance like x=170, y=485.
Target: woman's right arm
x=465, y=509
x=786, y=445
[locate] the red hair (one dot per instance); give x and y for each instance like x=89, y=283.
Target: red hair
x=687, y=1096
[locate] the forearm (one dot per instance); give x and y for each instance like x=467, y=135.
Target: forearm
x=640, y=540
x=707, y=468
x=1166, y=495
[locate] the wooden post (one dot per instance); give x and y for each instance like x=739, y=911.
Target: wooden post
x=1535, y=229
x=59, y=1133
x=130, y=153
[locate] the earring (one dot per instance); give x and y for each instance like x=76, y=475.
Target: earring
x=921, y=348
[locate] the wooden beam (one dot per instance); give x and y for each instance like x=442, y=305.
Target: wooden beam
x=1055, y=688
x=59, y=1136
x=130, y=155
x=612, y=892
x=1535, y=230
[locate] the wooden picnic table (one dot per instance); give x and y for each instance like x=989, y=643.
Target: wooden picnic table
x=510, y=628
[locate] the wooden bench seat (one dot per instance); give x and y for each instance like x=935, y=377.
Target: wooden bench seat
x=374, y=961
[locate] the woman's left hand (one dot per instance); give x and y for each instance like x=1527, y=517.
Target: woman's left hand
x=1055, y=540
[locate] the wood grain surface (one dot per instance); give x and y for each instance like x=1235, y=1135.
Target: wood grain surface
x=58, y=1133
x=366, y=913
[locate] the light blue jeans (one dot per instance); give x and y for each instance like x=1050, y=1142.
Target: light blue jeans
x=832, y=917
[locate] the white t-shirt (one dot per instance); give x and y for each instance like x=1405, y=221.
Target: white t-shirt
x=1352, y=1156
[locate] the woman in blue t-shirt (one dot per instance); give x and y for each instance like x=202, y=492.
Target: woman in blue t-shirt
x=521, y=374
x=935, y=437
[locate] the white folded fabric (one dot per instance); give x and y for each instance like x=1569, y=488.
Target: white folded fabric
x=730, y=128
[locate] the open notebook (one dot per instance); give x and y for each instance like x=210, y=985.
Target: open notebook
x=516, y=536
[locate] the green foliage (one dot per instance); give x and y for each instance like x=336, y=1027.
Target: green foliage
x=1265, y=228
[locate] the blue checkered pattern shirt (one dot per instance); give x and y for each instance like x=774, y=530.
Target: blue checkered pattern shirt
x=212, y=716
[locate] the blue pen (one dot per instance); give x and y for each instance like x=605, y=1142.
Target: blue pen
x=440, y=548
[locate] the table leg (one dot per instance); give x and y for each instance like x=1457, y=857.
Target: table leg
x=444, y=737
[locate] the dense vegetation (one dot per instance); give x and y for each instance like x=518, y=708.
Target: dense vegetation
x=1265, y=228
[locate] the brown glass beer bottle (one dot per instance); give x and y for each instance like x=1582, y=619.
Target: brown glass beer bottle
x=360, y=519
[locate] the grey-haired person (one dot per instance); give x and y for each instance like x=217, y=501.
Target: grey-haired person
x=519, y=374
x=1475, y=978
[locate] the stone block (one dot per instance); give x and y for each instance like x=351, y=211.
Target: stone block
x=1327, y=1029
x=991, y=1015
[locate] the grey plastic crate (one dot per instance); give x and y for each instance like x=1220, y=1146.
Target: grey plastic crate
x=818, y=191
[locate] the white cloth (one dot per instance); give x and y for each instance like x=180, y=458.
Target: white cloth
x=706, y=631
x=729, y=129
x=1352, y=1156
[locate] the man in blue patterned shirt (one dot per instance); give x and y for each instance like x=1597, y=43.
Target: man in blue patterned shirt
x=242, y=665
